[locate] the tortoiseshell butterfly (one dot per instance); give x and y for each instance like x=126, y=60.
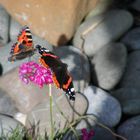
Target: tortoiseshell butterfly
x=23, y=47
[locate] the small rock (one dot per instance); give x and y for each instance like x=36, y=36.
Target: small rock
x=71, y=111
x=102, y=105
x=101, y=7
x=108, y=65
x=130, y=129
x=78, y=65
x=131, y=39
x=7, y=105
x=4, y=25
x=136, y=5
x=131, y=77
x=100, y=30
x=129, y=99
x=8, y=124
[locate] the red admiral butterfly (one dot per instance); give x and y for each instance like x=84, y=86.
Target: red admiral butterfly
x=61, y=76
x=23, y=47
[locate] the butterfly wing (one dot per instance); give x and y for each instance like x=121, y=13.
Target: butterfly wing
x=23, y=47
x=61, y=76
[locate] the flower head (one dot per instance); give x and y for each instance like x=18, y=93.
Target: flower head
x=35, y=73
x=87, y=135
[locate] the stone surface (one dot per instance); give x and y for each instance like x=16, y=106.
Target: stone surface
x=7, y=105
x=136, y=5
x=131, y=39
x=129, y=99
x=5, y=53
x=7, y=124
x=4, y=25
x=131, y=77
x=108, y=65
x=71, y=111
x=99, y=30
x=55, y=21
x=25, y=96
x=100, y=8
x=130, y=129
x=102, y=105
x=15, y=28
x=1, y=69
x=78, y=65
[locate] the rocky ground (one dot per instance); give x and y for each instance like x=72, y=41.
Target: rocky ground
x=103, y=59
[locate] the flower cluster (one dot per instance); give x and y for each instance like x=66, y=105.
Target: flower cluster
x=87, y=135
x=35, y=73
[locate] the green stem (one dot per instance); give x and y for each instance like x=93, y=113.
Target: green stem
x=51, y=113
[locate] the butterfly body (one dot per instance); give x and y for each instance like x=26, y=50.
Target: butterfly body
x=61, y=76
x=23, y=47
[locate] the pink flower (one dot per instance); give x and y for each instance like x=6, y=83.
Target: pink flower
x=87, y=135
x=35, y=73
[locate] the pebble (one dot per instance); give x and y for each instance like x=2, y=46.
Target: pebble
x=131, y=39
x=131, y=77
x=4, y=25
x=130, y=129
x=102, y=30
x=129, y=99
x=103, y=106
x=108, y=65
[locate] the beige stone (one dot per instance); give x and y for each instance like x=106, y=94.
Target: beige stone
x=53, y=20
x=25, y=96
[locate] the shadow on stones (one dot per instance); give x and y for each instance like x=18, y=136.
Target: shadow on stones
x=1, y=69
x=62, y=40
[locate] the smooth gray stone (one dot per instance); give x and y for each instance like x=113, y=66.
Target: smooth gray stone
x=103, y=106
x=130, y=129
x=129, y=99
x=7, y=105
x=104, y=29
x=4, y=25
x=131, y=77
x=131, y=39
x=108, y=65
x=8, y=124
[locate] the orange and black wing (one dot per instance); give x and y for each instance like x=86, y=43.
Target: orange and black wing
x=24, y=45
x=61, y=76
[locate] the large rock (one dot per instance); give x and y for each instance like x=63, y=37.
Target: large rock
x=4, y=25
x=129, y=99
x=131, y=39
x=55, y=21
x=7, y=105
x=130, y=129
x=131, y=77
x=64, y=111
x=78, y=65
x=25, y=96
x=102, y=105
x=98, y=31
x=108, y=65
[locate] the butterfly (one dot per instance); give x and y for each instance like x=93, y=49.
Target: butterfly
x=23, y=47
x=61, y=76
